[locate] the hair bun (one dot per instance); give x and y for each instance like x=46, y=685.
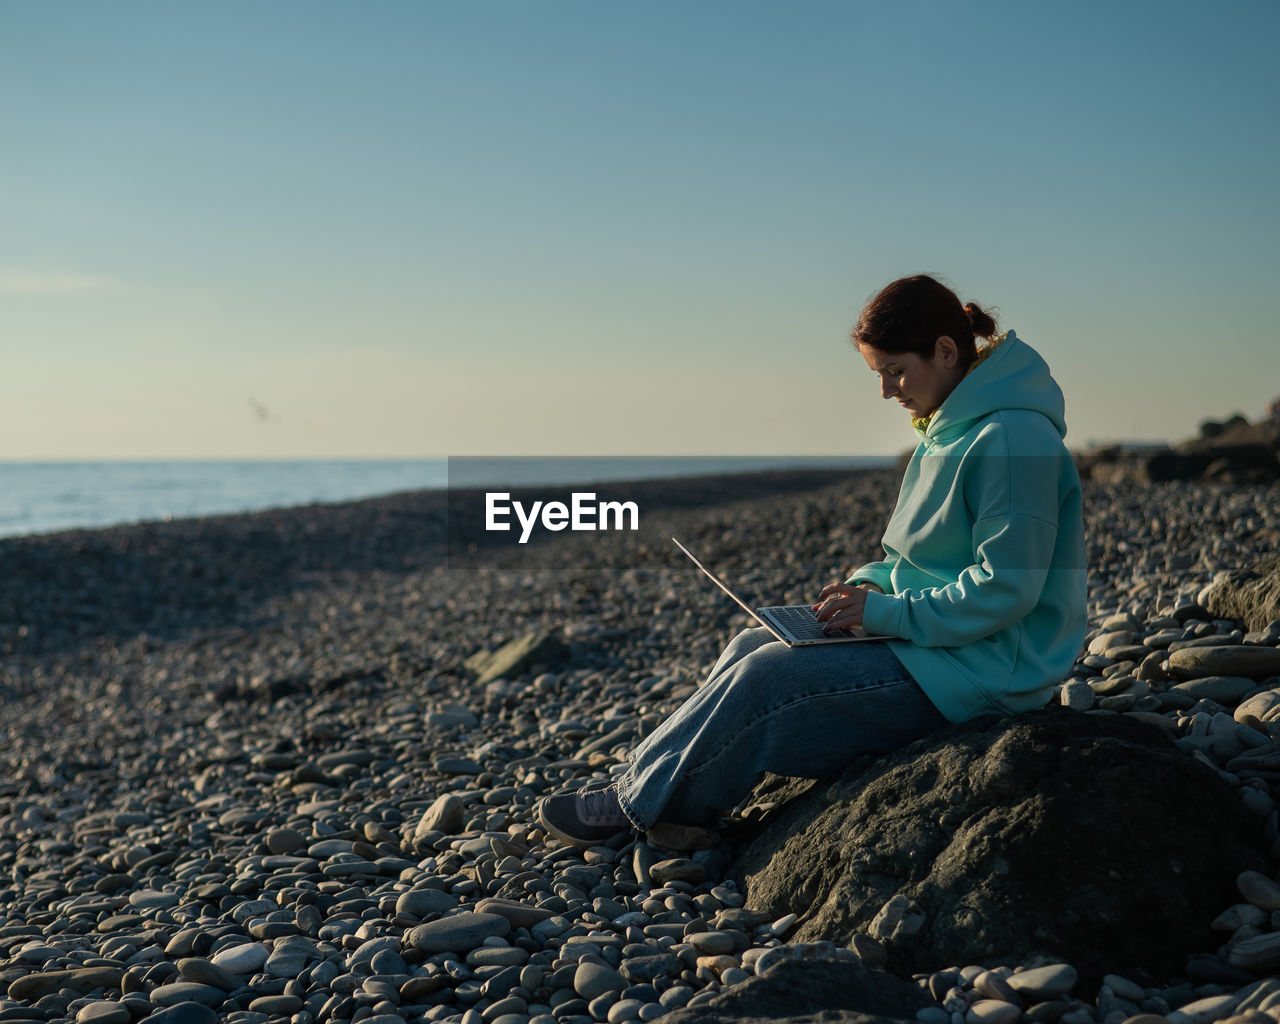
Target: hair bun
x=982, y=324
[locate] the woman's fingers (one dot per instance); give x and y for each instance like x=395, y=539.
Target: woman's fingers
x=841, y=611
x=839, y=622
x=825, y=609
x=830, y=597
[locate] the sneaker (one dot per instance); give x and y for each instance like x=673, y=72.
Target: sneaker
x=589, y=817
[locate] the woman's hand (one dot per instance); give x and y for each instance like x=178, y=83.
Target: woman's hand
x=840, y=605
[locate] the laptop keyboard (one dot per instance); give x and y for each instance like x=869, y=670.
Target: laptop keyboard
x=802, y=622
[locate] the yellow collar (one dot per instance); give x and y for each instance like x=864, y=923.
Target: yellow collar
x=921, y=423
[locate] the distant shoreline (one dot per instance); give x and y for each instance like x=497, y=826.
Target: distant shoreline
x=41, y=499
x=667, y=492
x=62, y=590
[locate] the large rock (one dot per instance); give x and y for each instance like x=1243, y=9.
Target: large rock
x=1239, y=452
x=1251, y=594
x=1235, y=432
x=1234, y=464
x=809, y=992
x=540, y=647
x=1055, y=836
x=1234, y=452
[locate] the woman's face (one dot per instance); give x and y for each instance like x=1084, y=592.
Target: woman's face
x=919, y=385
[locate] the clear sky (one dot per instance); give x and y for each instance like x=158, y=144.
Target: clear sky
x=403, y=228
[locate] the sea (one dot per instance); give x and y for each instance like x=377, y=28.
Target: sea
x=46, y=497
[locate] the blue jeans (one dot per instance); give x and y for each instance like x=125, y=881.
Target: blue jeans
x=801, y=711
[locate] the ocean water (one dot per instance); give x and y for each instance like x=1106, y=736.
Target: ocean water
x=44, y=497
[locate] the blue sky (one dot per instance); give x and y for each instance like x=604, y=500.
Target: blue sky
x=396, y=229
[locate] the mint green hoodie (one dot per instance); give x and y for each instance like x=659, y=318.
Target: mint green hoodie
x=985, y=576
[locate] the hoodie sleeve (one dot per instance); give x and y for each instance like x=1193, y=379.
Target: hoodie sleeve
x=877, y=573
x=1011, y=541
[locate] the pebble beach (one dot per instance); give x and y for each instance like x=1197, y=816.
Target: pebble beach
x=253, y=769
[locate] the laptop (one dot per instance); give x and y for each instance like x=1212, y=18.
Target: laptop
x=794, y=624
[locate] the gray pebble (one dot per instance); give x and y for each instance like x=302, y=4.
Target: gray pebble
x=187, y=991
x=457, y=933
x=712, y=943
x=241, y=959
x=202, y=972
x=104, y=1011
x=992, y=1011
x=592, y=980
x=1259, y=890
x=424, y=903
x=1044, y=982
x=184, y=1013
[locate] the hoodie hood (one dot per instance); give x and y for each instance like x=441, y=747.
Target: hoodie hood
x=1013, y=376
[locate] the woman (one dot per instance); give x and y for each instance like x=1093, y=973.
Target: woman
x=982, y=589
